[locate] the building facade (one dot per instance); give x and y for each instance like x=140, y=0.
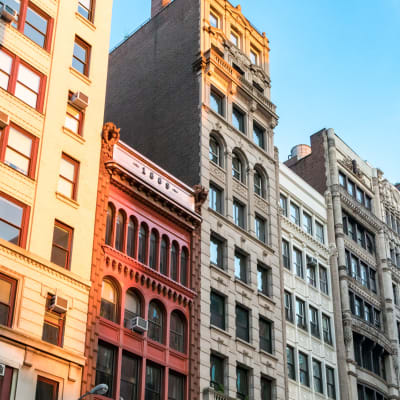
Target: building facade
x=308, y=297
x=200, y=84
x=52, y=64
x=366, y=338
x=143, y=325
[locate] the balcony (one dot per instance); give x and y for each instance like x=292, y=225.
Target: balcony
x=211, y=394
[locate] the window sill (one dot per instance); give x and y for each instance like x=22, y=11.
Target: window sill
x=74, y=135
x=85, y=21
x=244, y=284
x=221, y=331
x=244, y=343
x=80, y=76
x=270, y=355
x=266, y=297
x=220, y=270
x=67, y=200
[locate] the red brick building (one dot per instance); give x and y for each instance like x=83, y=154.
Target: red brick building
x=144, y=265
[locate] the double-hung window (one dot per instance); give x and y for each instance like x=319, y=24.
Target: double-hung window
x=264, y=280
x=317, y=376
x=330, y=382
x=298, y=262
x=311, y=272
x=176, y=386
x=260, y=228
x=28, y=85
x=288, y=306
x=303, y=369
x=62, y=245
x=217, y=252
x=291, y=366
x=46, y=389
x=217, y=310
x=53, y=326
x=267, y=385
x=319, y=232
x=105, y=367
x=326, y=328
x=284, y=204
x=238, y=214
x=307, y=223
x=217, y=102
x=85, y=8
x=323, y=280
x=238, y=119
x=154, y=382
x=81, y=56
x=68, y=179
x=258, y=136
x=314, y=321
x=214, y=20
x=130, y=372
x=242, y=323
x=8, y=288
x=215, y=151
x=74, y=119
x=301, y=314
x=286, y=254
x=217, y=372
x=240, y=266
x=242, y=383
x=295, y=213
x=215, y=198
x=265, y=330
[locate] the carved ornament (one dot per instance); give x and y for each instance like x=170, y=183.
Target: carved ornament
x=110, y=136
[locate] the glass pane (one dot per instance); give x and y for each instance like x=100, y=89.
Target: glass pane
x=5, y=291
x=132, y=303
x=59, y=256
x=67, y=169
x=71, y=124
x=61, y=237
x=3, y=80
x=108, y=292
x=45, y=390
x=16, y=161
x=4, y=314
x=83, y=11
x=20, y=142
x=79, y=66
x=34, y=35
x=5, y=62
x=64, y=187
x=9, y=233
x=50, y=334
x=29, y=78
x=26, y=95
x=10, y=212
x=80, y=52
x=36, y=20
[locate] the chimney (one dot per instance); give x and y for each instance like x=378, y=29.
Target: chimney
x=157, y=6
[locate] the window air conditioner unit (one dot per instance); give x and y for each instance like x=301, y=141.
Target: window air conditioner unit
x=312, y=262
x=138, y=324
x=4, y=119
x=2, y=369
x=80, y=100
x=58, y=304
x=8, y=13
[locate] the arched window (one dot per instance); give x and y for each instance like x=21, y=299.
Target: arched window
x=142, y=256
x=109, y=301
x=184, y=267
x=237, y=168
x=131, y=240
x=156, y=323
x=109, y=224
x=164, y=256
x=215, y=151
x=119, y=231
x=153, y=249
x=259, y=186
x=177, y=332
x=174, y=261
x=133, y=306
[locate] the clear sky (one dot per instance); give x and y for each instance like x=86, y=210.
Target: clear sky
x=333, y=64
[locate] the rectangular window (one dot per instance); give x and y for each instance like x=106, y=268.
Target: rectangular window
x=260, y=228
x=81, y=56
x=242, y=323
x=307, y=223
x=266, y=388
x=74, y=119
x=323, y=279
x=130, y=372
x=242, y=383
x=311, y=271
x=217, y=102
x=283, y=204
x=238, y=214
x=46, y=389
x=217, y=310
x=62, y=245
x=53, y=326
x=235, y=39
x=360, y=195
x=8, y=287
x=301, y=314
x=288, y=306
x=85, y=8
x=28, y=85
x=217, y=372
x=264, y=283
x=319, y=232
x=286, y=254
x=291, y=366
x=326, y=328
x=215, y=197
x=214, y=20
x=298, y=262
x=342, y=180
x=254, y=56
x=368, y=202
x=12, y=220
x=240, y=266
x=105, y=367
x=265, y=330
x=351, y=188
x=314, y=321
x=303, y=368
x=330, y=382
x=154, y=382
x=295, y=213
x=68, y=179
x=6, y=69
x=176, y=386
x=238, y=119
x=258, y=135
x=36, y=26
x=317, y=375
x=217, y=252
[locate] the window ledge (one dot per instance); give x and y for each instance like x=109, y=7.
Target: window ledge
x=73, y=135
x=67, y=200
x=244, y=284
x=244, y=343
x=221, y=331
x=84, y=20
x=266, y=297
x=270, y=355
x=80, y=76
x=220, y=270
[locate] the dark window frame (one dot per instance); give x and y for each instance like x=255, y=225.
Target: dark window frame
x=88, y=50
x=68, y=249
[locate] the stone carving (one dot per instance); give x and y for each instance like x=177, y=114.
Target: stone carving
x=347, y=333
x=217, y=172
x=110, y=136
x=200, y=195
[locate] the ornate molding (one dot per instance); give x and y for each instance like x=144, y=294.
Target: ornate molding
x=110, y=136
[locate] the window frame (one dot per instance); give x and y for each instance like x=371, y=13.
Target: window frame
x=296, y=217
x=219, y=99
x=314, y=321
x=259, y=131
x=327, y=333
x=74, y=183
x=49, y=319
x=90, y=11
x=243, y=395
x=286, y=259
x=241, y=269
x=218, y=154
x=68, y=250
x=114, y=362
x=323, y=283
x=260, y=228
x=160, y=338
x=216, y=195
x=288, y=303
x=264, y=279
x=88, y=48
x=242, y=326
x=240, y=118
x=304, y=373
x=301, y=318
x=218, y=321
x=13, y=293
x=130, y=379
x=81, y=119
x=266, y=344
x=220, y=243
x=329, y=384
x=291, y=362
x=181, y=337
x=161, y=369
x=218, y=386
x=317, y=378
x=239, y=219
x=51, y=382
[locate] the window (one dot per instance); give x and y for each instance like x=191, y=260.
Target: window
x=259, y=188
x=215, y=198
x=217, y=372
x=238, y=119
x=395, y=297
x=153, y=249
x=130, y=372
x=283, y=204
x=242, y=383
x=6, y=69
x=105, y=367
x=237, y=168
x=133, y=306
x=266, y=388
x=265, y=330
x=177, y=332
x=330, y=382
x=317, y=375
x=109, y=301
x=303, y=368
x=295, y=213
x=109, y=224
x=235, y=38
x=12, y=220
x=215, y=152
x=74, y=119
x=342, y=179
x=36, y=26
x=323, y=279
x=62, y=245
x=326, y=328
x=358, y=233
x=217, y=102
x=85, y=8
x=184, y=267
x=311, y=272
x=164, y=256
x=260, y=228
x=67, y=181
x=120, y=231
x=351, y=188
x=156, y=323
x=319, y=231
x=214, y=20
x=298, y=262
x=254, y=57
x=46, y=389
x=288, y=306
x=301, y=314
x=217, y=310
x=53, y=326
x=28, y=85
x=285, y=254
x=264, y=280
x=154, y=378
x=314, y=321
x=143, y=234
x=81, y=56
x=176, y=386
x=8, y=288
x=240, y=266
x=238, y=214
x=242, y=323
x=307, y=223
x=291, y=367
x=216, y=252
x=174, y=261
x=258, y=136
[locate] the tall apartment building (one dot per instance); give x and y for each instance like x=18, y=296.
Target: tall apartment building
x=144, y=312
x=310, y=289
x=191, y=90
x=52, y=63
x=366, y=338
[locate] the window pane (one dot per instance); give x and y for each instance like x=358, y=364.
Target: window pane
x=5, y=68
x=153, y=388
x=213, y=20
x=5, y=291
x=129, y=377
x=71, y=123
x=20, y=142
x=46, y=390
x=105, y=368
x=61, y=237
x=10, y=212
x=64, y=187
x=29, y=78
x=59, y=256
x=26, y=95
x=216, y=103
x=176, y=387
x=50, y=333
x=35, y=27
x=67, y=169
x=80, y=52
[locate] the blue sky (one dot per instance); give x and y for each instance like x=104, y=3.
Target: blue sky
x=333, y=64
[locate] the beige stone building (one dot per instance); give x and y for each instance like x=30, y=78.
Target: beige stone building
x=52, y=75
x=308, y=297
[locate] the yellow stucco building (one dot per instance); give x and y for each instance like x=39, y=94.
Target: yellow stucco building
x=53, y=68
